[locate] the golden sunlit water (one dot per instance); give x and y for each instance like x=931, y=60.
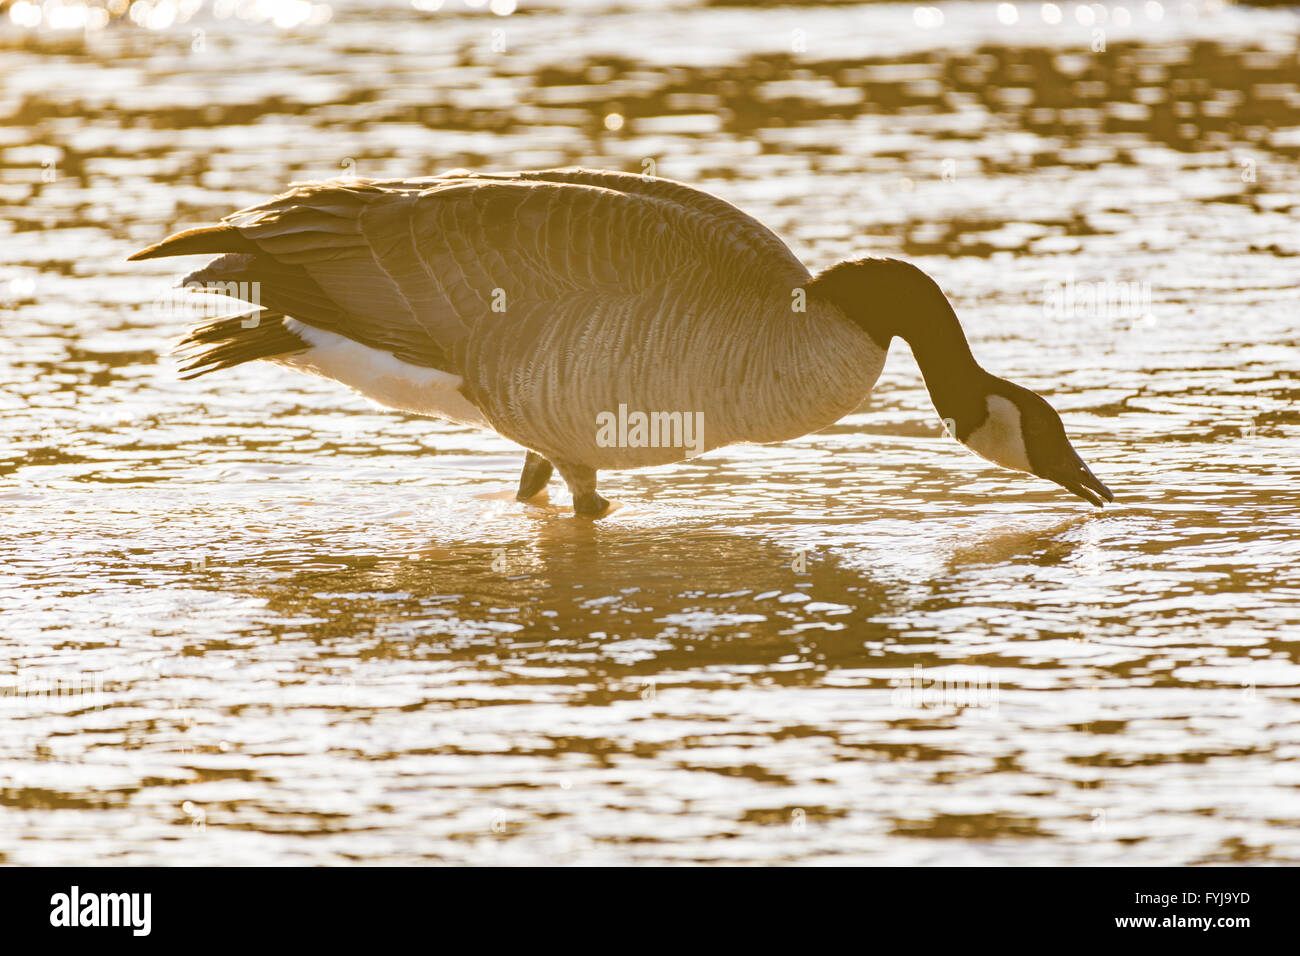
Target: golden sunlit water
x=253, y=619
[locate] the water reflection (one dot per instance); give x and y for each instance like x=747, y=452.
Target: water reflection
x=708, y=597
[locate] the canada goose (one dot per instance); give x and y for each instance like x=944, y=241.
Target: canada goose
x=598, y=319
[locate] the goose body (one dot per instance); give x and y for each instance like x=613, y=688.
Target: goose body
x=600, y=320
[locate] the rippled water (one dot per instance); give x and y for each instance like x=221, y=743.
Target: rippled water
x=251, y=619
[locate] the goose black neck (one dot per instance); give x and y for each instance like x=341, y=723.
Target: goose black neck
x=889, y=297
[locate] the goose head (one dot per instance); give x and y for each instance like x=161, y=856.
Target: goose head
x=1017, y=429
x=998, y=420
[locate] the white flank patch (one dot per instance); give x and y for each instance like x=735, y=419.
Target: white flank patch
x=1000, y=439
x=381, y=377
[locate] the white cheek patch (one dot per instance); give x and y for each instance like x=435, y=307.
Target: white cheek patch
x=1000, y=438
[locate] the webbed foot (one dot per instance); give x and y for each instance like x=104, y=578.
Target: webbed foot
x=581, y=479
x=590, y=505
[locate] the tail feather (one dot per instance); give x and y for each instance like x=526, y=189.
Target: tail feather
x=231, y=341
x=251, y=331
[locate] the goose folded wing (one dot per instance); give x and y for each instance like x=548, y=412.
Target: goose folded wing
x=418, y=272
x=729, y=224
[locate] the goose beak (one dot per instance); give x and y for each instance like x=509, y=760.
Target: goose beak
x=1076, y=478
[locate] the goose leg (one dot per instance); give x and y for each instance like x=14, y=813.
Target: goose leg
x=582, y=482
x=537, y=472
